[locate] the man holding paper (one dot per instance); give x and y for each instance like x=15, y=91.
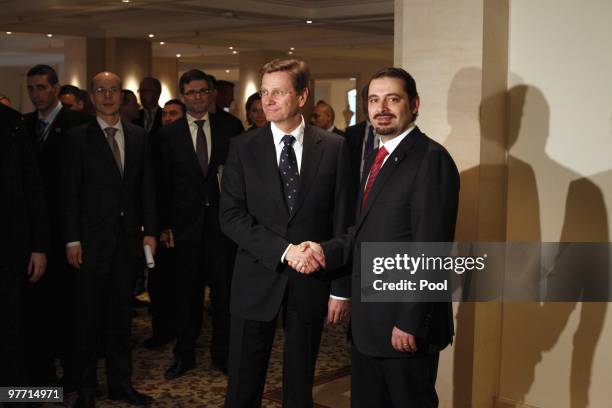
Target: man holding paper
x=108, y=198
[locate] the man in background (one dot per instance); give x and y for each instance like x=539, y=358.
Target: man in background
x=72, y=98
x=173, y=110
x=323, y=117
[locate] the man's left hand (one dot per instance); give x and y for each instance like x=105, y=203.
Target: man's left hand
x=337, y=310
x=402, y=341
x=150, y=241
x=37, y=266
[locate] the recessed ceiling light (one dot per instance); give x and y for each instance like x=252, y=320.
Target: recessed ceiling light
x=151, y=35
x=230, y=48
x=290, y=53
x=292, y=48
x=161, y=43
x=234, y=52
x=125, y=1
x=178, y=55
x=9, y=32
x=49, y=35
x=308, y=21
x=227, y=71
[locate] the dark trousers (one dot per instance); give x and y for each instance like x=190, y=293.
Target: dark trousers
x=12, y=364
x=198, y=263
x=103, y=305
x=161, y=292
x=250, y=346
x=393, y=382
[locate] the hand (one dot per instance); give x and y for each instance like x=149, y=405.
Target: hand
x=306, y=258
x=37, y=266
x=150, y=241
x=402, y=341
x=337, y=310
x=74, y=255
x=167, y=238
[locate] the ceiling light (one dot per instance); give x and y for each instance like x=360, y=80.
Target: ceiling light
x=230, y=48
x=227, y=71
x=151, y=35
x=290, y=53
x=161, y=43
x=49, y=35
x=178, y=55
x=292, y=48
x=308, y=21
x=9, y=32
x=234, y=52
x=125, y=1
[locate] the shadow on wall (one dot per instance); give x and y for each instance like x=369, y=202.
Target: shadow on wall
x=537, y=189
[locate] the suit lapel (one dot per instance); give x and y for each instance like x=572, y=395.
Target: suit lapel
x=215, y=140
x=264, y=153
x=98, y=139
x=385, y=173
x=129, y=150
x=311, y=157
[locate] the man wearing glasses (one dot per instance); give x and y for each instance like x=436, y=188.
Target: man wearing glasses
x=282, y=183
x=194, y=149
x=108, y=201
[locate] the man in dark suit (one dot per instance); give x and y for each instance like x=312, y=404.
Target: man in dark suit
x=410, y=194
x=109, y=198
x=282, y=183
x=23, y=242
x=150, y=115
x=194, y=149
x=48, y=302
x=361, y=140
x=323, y=117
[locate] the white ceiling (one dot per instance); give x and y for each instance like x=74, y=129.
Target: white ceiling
x=202, y=31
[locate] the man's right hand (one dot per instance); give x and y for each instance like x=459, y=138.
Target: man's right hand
x=167, y=238
x=74, y=255
x=308, y=257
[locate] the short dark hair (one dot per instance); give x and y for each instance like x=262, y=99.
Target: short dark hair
x=155, y=81
x=44, y=70
x=297, y=69
x=399, y=73
x=223, y=83
x=72, y=90
x=124, y=95
x=176, y=102
x=194, y=75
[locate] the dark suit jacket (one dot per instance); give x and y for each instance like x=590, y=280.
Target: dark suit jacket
x=186, y=192
x=157, y=121
x=50, y=162
x=23, y=213
x=414, y=199
x=97, y=201
x=338, y=131
x=255, y=216
x=354, y=139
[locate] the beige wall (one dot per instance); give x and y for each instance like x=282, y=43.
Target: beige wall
x=334, y=92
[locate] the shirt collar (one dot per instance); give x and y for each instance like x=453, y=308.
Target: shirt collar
x=104, y=125
x=191, y=120
x=393, y=143
x=278, y=134
x=331, y=129
x=51, y=116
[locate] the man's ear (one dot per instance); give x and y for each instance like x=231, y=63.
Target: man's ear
x=303, y=97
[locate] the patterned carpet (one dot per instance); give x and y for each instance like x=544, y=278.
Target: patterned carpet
x=205, y=386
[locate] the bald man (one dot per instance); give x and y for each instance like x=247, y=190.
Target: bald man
x=323, y=117
x=109, y=198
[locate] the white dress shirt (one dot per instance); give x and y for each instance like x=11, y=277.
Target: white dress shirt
x=49, y=119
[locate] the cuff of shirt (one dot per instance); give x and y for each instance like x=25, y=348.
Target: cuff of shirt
x=338, y=297
x=285, y=253
x=73, y=244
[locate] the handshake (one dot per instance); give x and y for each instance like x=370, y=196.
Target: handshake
x=307, y=257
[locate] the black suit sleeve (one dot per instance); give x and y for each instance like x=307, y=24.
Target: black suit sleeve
x=166, y=180
x=236, y=221
x=343, y=216
x=433, y=215
x=71, y=186
x=149, y=197
x=35, y=198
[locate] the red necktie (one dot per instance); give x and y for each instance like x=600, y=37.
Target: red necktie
x=378, y=162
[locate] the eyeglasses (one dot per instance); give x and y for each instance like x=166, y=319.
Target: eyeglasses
x=275, y=93
x=193, y=92
x=103, y=91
